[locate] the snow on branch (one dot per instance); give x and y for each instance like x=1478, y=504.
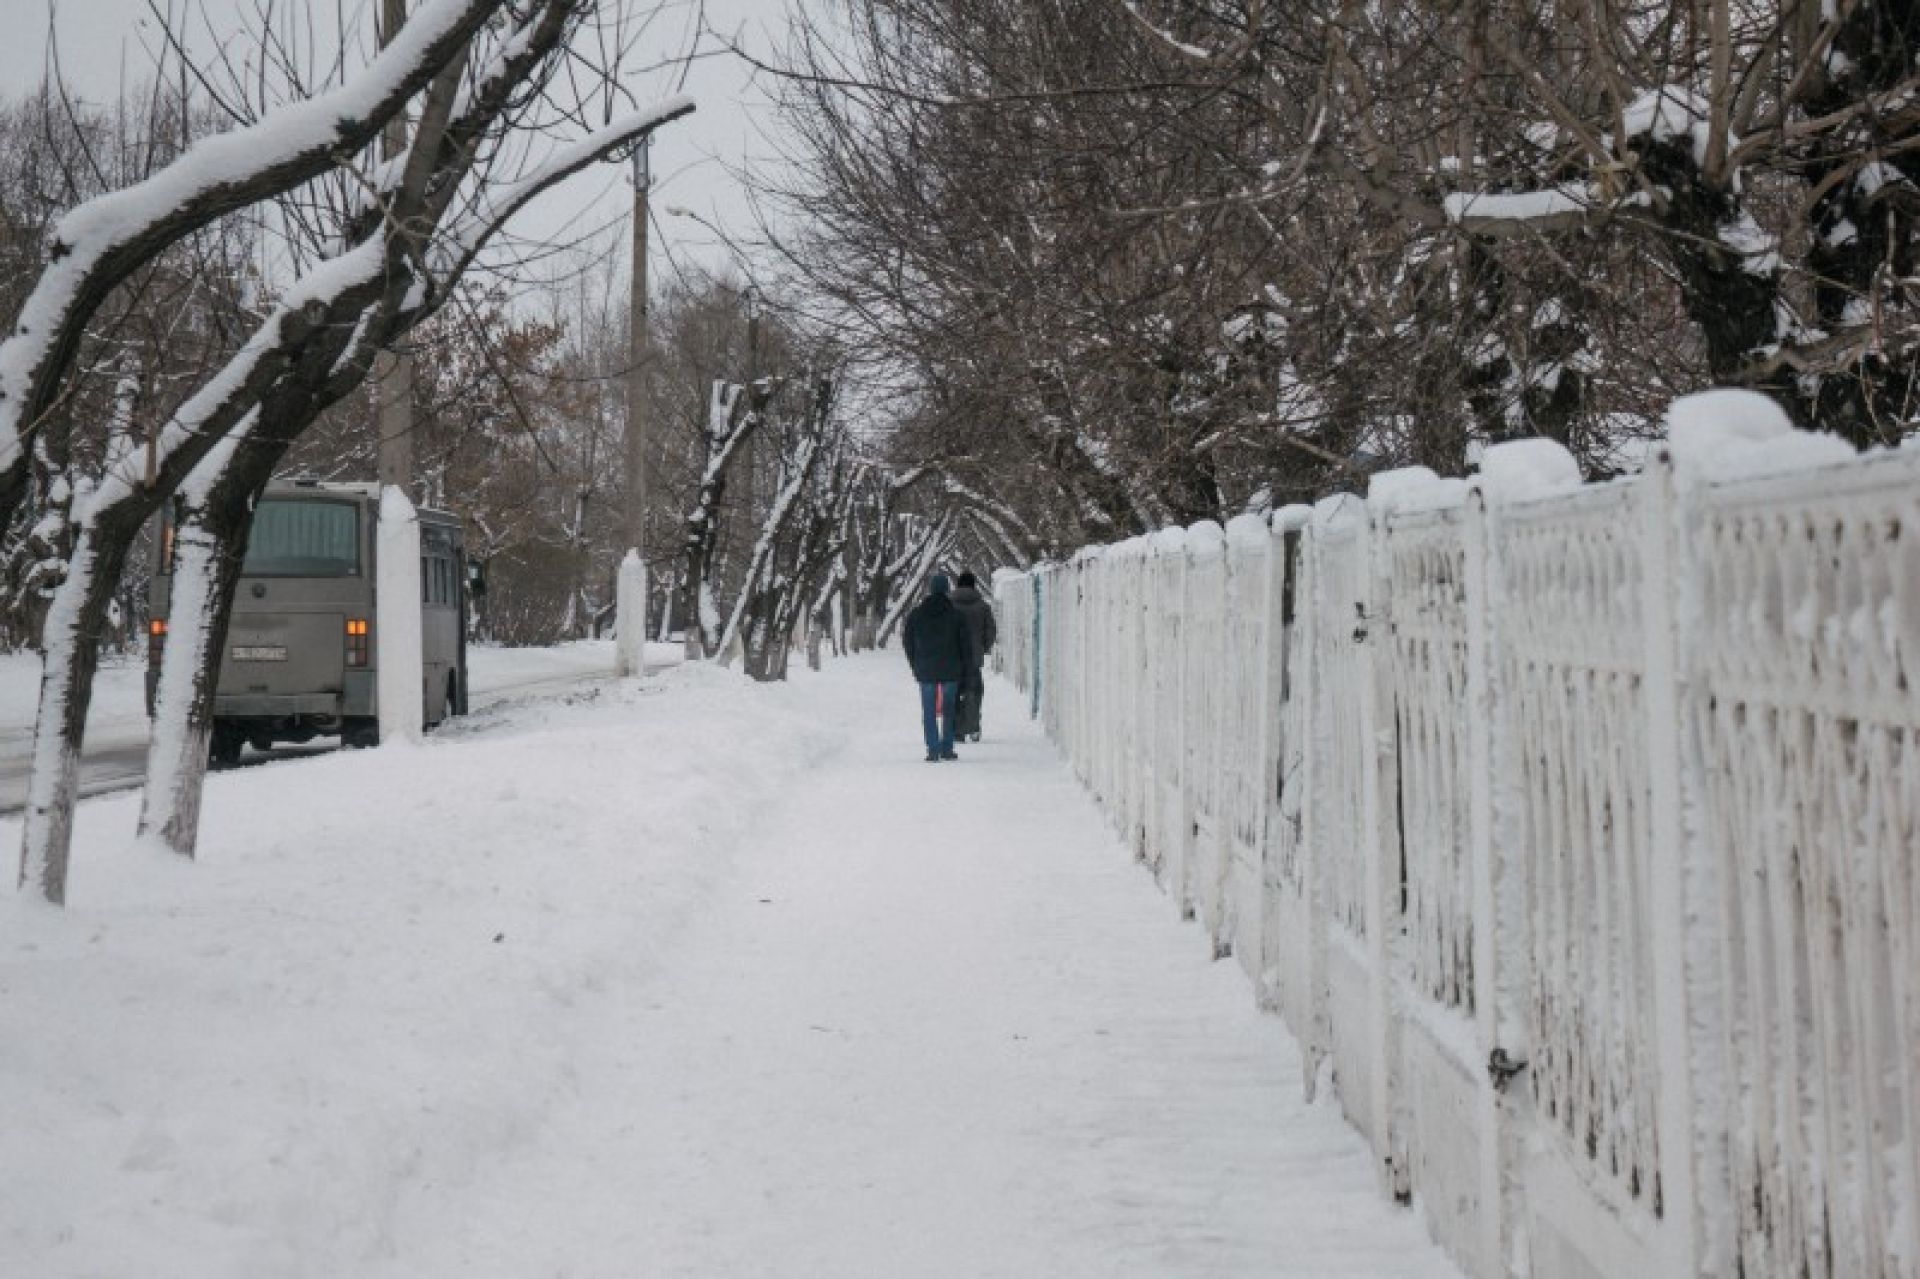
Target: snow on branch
x=1472, y=209
x=98, y=244
x=924, y=555
x=221, y=404
x=800, y=470
x=1185, y=49
x=1001, y=514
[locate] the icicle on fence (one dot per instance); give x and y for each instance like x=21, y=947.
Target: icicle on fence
x=1575, y=829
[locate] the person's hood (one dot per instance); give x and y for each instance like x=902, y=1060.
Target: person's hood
x=937, y=604
x=964, y=595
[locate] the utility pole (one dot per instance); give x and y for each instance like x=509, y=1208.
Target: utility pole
x=393, y=370
x=751, y=296
x=630, y=594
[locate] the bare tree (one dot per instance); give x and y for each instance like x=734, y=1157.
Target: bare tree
x=418, y=225
x=1147, y=260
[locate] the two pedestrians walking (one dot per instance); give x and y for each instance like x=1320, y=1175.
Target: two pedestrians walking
x=945, y=645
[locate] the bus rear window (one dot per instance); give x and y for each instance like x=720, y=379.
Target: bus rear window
x=294, y=538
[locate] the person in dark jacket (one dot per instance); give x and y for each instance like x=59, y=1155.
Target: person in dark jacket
x=940, y=650
x=980, y=629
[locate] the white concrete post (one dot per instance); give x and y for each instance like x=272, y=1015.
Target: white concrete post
x=630, y=614
x=397, y=639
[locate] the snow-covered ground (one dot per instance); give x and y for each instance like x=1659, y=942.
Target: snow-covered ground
x=683, y=977
x=118, y=696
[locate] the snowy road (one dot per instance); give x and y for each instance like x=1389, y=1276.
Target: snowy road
x=692, y=978
x=116, y=752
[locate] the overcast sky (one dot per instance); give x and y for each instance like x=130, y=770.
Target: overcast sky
x=694, y=160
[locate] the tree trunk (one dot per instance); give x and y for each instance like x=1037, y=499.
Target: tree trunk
x=209, y=549
x=71, y=654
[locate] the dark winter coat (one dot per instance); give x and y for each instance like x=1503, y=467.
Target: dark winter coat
x=939, y=647
x=979, y=615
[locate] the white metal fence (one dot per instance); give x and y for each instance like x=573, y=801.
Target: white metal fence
x=1576, y=836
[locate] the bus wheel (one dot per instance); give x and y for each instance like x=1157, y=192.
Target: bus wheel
x=225, y=747
x=359, y=732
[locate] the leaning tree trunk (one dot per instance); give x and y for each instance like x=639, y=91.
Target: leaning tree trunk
x=208, y=549
x=75, y=622
x=928, y=555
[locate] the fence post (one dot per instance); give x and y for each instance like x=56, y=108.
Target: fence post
x=1253, y=778
x=1182, y=846
x=1667, y=876
x=1033, y=656
x=1308, y=604
x=1495, y=1024
x=1380, y=840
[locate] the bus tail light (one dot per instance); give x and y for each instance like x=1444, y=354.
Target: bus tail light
x=156, y=639
x=357, y=637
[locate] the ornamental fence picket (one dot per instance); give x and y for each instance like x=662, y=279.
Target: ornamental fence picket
x=1576, y=836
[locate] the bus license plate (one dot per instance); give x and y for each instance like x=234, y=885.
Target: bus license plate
x=259, y=653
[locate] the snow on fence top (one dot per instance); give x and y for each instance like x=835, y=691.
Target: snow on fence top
x=1602, y=796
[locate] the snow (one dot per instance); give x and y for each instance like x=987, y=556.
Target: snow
x=1170, y=540
x=1875, y=174
x=1522, y=470
x=1194, y=51
x=1205, y=539
x=1670, y=113
x=1248, y=530
x=1759, y=252
x=1292, y=516
x=1410, y=489
x=1523, y=206
x=802, y=1005
x=201, y=411
x=1336, y=509
x=1726, y=435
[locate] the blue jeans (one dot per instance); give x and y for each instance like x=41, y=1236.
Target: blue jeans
x=939, y=726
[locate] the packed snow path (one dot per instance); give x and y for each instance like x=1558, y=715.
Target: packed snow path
x=864, y=1015
x=939, y=1024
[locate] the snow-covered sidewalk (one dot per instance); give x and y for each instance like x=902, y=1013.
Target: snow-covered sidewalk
x=694, y=979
